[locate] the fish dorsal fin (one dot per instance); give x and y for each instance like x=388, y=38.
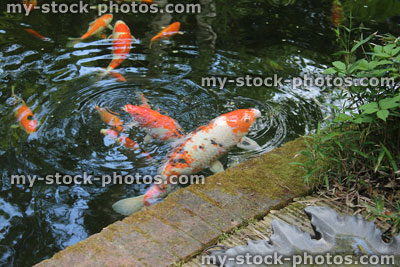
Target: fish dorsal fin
x=112, y=112
x=178, y=142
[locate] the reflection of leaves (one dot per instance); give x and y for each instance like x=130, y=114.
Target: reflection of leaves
x=350, y=235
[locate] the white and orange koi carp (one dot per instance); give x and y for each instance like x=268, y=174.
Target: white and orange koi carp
x=95, y=28
x=197, y=151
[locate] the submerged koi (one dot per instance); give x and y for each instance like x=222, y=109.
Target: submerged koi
x=167, y=32
x=35, y=33
x=29, y=5
x=337, y=13
x=115, y=75
x=144, y=101
x=197, y=151
x=95, y=27
x=24, y=115
x=124, y=140
x=121, y=45
x=110, y=119
x=157, y=125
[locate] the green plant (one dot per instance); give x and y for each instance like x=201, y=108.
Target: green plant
x=359, y=148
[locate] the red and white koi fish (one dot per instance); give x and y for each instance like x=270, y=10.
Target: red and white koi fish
x=124, y=140
x=121, y=45
x=110, y=119
x=167, y=32
x=197, y=151
x=38, y=35
x=95, y=28
x=24, y=115
x=157, y=125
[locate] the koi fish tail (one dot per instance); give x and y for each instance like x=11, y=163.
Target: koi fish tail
x=128, y=206
x=104, y=72
x=151, y=42
x=73, y=41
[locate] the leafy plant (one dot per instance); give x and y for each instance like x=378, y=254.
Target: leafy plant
x=359, y=148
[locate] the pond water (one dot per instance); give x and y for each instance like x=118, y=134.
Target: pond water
x=228, y=39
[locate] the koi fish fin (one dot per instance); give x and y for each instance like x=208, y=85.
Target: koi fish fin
x=181, y=33
x=216, y=167
x=151, y=42
x=15, y=126
x=147, y=139
x=73, y=41
x=248, y=144
x=128, y=206
x=130, y=125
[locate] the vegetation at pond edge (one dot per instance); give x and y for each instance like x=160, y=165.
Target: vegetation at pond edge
x=356, y=154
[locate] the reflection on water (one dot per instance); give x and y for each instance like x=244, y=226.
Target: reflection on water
x=61, y=87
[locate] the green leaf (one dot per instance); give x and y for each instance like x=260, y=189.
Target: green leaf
x=389, y=49
x=370, y=108
x=374, y=64
x=384, y=55
x=342, y=117
x=339, y=65
x=388, y=103
x=329, y=136
x=383, y=114
x=361, y=65
x=362, y=42
x=395, y=51
x=378, y=49
x=380, y=157
x=329, y=71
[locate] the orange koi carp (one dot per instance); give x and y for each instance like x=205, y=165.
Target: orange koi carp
x=124, y=140
x=116, y=75
x=110, y=119
x=38, y=35
x=121, y=45
x=95, y=28
x=197, y=151
x=167, y=32
x=24, y=115
x=337, y=13
x=157, y=125
x=29, y=5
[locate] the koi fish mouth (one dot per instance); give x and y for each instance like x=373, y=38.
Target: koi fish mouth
x=257, y=113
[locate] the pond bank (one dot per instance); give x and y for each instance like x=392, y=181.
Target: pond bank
x=193, y=218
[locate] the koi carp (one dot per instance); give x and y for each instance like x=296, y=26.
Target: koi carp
x=167, y=32
x=38, y=35
x=24, y=115
x=337, y=13
x=110, y=119
x=157, y=125
x=124, y=140
x=95, y=28
x=197, y=151
x=122, y=40
x=29, y=5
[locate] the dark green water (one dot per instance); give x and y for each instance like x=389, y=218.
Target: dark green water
x=229, y=38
